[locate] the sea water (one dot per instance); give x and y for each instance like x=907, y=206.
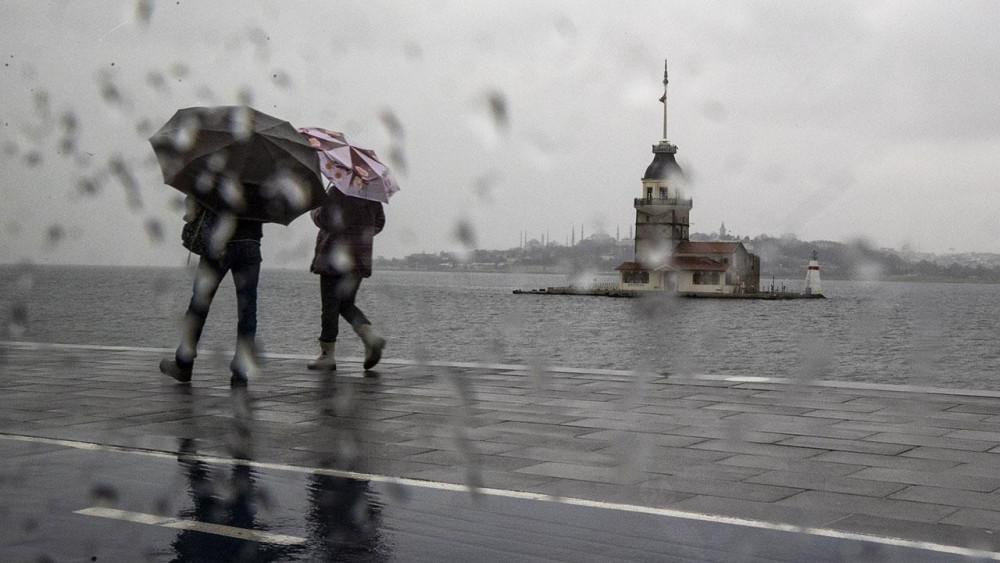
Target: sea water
x=928, y=334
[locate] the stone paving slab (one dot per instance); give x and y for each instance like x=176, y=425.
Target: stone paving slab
x=915, y=463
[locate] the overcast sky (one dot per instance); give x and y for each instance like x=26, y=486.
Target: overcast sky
x=829, y=120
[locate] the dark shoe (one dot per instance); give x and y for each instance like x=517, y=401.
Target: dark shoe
x=238, y=381
x=176, y=370
x=243, y=371
x=374, y=352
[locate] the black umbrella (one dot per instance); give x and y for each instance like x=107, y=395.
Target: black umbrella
x=235, y=159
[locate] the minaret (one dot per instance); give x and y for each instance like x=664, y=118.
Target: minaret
x=661, y=213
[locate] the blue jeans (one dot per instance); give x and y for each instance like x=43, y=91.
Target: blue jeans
x=337, y=295
x=242, y=258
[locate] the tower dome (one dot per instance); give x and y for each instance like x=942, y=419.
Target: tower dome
x=664, y=165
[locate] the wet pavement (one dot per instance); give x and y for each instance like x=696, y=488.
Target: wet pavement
x=107, y=460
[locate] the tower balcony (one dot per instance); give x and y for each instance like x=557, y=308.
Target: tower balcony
x=662, y=202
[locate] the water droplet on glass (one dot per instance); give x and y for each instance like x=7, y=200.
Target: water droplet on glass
x=88, y=186
x=397, y=159
x=465, y=234
x=179, y=70
x=69, y=122
x=157, y=81
x=144, y=128
x=498, y=109
x=154, y=230
x=186, y=134
x=222, y=232
x=281, y=79
x=392, y=123
x=231, y=190
x=241, y=123
x=144, y=11
x=55, y=234
x=340, y=258
x=17, y=324
x=104, y=495
x=109, y=91
x=245, y=96
x=123, y=173
x=288, y=190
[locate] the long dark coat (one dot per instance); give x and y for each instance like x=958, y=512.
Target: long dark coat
x=347, y=228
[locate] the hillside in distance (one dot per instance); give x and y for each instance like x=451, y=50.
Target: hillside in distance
x=783, y=257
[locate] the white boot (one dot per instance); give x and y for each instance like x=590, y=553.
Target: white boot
x=325, y=360
x=244, y=366
x=373, y=346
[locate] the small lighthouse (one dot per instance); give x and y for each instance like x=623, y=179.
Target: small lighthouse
x=814, y=288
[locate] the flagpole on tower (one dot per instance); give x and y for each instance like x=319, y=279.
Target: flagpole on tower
x=664, y=99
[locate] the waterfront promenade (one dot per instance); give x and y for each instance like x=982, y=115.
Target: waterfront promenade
x=885, y=466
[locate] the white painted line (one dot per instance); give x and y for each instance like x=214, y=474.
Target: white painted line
x=193, y=525
x=523, y=495
x=746, y=379
x=677, y=378
x=27, y=345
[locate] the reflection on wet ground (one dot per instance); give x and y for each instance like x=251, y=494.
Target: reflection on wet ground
x=100, y=465
x=194, y=511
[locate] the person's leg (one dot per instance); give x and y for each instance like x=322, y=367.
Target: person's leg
x=246, y=276
x=347, y=291
x=359, y=322
x=206, y=283
x=329, y=323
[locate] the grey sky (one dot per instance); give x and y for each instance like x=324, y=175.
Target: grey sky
x=830, y=120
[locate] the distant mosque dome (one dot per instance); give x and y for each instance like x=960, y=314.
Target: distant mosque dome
x=664, y=165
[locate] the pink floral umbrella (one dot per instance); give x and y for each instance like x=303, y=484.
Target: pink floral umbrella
x=353, y=170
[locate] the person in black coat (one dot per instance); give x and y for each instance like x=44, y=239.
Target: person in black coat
x=226, y=245
x=343, y=257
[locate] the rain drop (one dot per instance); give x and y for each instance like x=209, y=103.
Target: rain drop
x=397, y=158
x=241, y=123
x=156, y=80
x=88, y=186
x=109, y=91
x=67, y=146
x=104, y=494
x=41, y=100
x=245, y=96
x=465, y=234
x=391, y=123
x=144, y=11
x=121, y=171
x=281, y=79
x=154, y=230
x=498, y=109
x=55, y=234
x=144, y=128
x=179, y=70
x=17, y=325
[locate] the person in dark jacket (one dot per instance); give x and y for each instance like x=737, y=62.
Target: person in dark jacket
x=347, y=227
x=233, y=246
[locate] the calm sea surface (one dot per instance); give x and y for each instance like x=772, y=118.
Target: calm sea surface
x=915, y=333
